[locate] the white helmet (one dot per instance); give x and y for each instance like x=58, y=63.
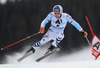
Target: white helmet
x=57, y=8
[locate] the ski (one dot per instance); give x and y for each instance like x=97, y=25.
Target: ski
x=24, y=56
x=48, y=53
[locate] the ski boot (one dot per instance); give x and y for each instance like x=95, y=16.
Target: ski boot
x=51, y=48
x=31, y=49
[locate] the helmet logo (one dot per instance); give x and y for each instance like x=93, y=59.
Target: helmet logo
x=56, y=10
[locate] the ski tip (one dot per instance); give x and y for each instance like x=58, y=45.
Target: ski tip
x=37, y=60
x=18, y=60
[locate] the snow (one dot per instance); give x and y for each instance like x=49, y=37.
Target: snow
x=78, y=64
x=78, y=59
x=82, y=55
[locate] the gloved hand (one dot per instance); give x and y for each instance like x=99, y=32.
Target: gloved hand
x=84, y=33
x=42, y=30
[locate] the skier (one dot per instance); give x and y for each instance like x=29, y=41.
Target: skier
x=56, y=31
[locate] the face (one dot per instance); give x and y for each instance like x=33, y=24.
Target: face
x=57, y=14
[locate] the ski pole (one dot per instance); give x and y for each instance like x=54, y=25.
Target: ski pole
x=20, y=41
x=88, y=42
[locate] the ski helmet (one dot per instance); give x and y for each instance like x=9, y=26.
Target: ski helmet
x=57, y=8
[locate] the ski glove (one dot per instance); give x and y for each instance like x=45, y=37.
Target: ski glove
x=42, y=30
x=84, y=33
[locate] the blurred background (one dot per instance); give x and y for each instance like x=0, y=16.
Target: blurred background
x=21, y=18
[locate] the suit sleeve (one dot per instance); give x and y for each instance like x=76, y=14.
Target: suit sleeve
x=46, y=20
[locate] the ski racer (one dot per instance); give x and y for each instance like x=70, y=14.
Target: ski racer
x=59, y=21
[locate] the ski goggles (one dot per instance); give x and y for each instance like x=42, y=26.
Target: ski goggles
x=56, y=13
